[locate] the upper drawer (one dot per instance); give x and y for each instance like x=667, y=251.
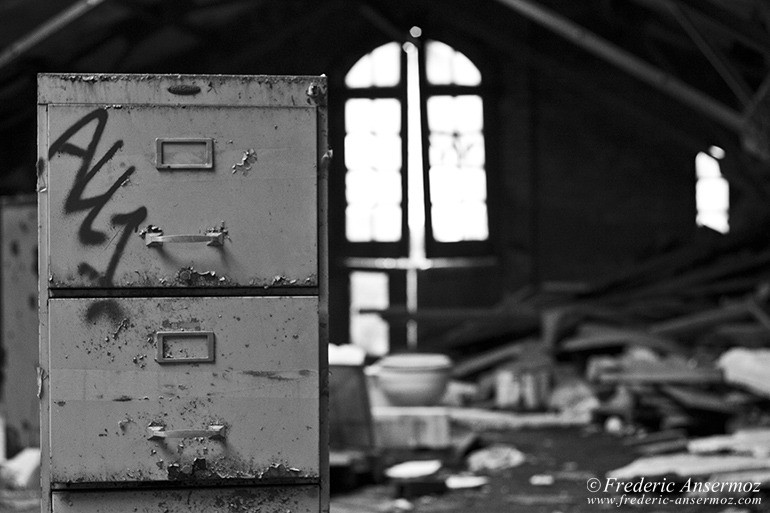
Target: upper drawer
x=182, y=196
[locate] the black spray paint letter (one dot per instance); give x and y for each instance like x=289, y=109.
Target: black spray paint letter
x=76, y=202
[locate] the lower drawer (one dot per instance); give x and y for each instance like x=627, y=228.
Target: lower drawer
x=216, y=390
x=296, y=499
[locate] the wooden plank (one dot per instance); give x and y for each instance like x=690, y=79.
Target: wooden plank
x=493, y=357
x=664, y=376
x=691, y=324
x=449, y=315
x=699, y=400
x=687, y=465
x=755, y=442
x=615, y=338
x=410, y=426
x=482, y=419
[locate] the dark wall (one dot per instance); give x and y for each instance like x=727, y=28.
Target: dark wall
x=609, y=191
x=589, y=170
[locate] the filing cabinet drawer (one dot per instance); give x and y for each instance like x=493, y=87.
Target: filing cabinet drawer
x=199, y=196
x=202, y=390
x=297, y=499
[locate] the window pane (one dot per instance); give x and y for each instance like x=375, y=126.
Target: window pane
x=372, y=151
x=381, y=223
x=712, y=194
x=476, y=227
x=373, y=157
x=438, y=61
x=379, y=116
x=458, y=185
x=707, y=166
x=448, y=223
x=456, y=150
x=374, y=206
x=464, y=114
x=464, y=72
x=369, y=331
x=380, y=68
x=461, y=222
x=714, y=220
x=386, y=223
x=358, y=227
x=445, y=65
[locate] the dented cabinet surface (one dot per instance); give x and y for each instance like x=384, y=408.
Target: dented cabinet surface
x=298, y=499
x=254, y=183
x=108, y=389
x=183, y=337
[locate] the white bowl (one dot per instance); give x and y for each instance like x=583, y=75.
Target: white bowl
x=415, y=379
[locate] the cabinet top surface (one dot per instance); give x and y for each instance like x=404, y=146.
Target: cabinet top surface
x=180, y=89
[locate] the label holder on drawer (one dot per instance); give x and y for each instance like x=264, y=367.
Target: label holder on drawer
x=184, y=153
x=174, y=347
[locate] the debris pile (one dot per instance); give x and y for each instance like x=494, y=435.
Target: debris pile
x=672, y=356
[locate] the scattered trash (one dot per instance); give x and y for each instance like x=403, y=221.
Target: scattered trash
x=465, y=482
x=495, y=458
x=542, y=480
x=23, y=470
x=414, y=469
x=401, y=504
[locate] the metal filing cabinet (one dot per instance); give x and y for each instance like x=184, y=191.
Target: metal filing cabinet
x=18, y=319
x=183, y=293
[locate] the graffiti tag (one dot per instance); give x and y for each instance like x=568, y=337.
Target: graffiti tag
x=76, y=200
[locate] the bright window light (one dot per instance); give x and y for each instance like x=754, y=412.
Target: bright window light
x=374, y=148
x=369, y=331
x=712, y=192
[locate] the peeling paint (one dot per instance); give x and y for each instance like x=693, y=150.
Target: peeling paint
x=190, y=277
x=248, y=159
x=124, y=324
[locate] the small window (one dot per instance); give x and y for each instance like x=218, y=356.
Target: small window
x=712, y=191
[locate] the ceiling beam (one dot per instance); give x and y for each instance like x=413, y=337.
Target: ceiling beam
x=587, y=85
x=628, y=62
x=386, y=26
x=734, y=81
x=47, y=29
x=720, y=19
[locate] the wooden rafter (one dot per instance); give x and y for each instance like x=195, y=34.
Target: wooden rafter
x=728, y=73
x=628, y=62
x=46, y=30
x=722, y=20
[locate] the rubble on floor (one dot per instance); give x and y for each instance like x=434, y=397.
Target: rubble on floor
x=671, y=357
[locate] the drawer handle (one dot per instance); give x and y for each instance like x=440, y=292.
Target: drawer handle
x=160, y=433
x=155, y=239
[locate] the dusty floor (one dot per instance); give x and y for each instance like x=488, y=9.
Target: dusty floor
x=571, y=456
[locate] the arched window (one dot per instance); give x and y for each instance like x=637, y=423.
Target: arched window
x=415, y=175
x=415, y=121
